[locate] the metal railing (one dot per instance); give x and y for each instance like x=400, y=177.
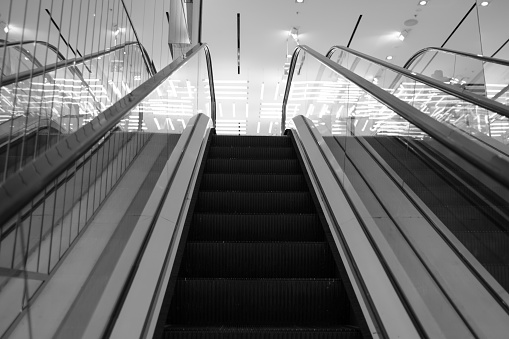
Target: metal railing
x=46, y=44
x=475, y=99
x=487, y=75
x=48, y=92
x=49, y=202
x=478, y=154
x=26, y=75
x=482, y=58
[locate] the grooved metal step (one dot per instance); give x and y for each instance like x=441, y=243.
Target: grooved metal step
x=253, y=182
x=257, y=260
x=476, y=224
x=290, y=166
x=255, y=202
x=250, y=141
x=251, y=153
x=255, y=227
x=344, y=332
x=487, y=247
x=256, y=263
x=259, y=302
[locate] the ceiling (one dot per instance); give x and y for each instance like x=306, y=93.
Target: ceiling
x=265, y=26
x=264, y=38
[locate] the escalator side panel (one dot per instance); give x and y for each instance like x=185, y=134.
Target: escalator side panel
x=475, y=225
x=419, y=289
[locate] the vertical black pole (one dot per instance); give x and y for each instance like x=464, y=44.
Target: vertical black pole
x=238, y=43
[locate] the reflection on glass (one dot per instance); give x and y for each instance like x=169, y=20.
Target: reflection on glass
x=489, y=79
x=348, y=117
x=38, y=111
x=169, y=108
x=487, y=127
x=70, y=96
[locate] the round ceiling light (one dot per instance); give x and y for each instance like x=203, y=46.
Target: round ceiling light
x=485, y=3
x=423, y=2
x=411, y=22
x=389, y=57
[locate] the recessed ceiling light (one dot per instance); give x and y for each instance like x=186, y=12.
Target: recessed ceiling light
x=389, y=57
x=299, y=1
x=402, y=35
x=7, y=27
x=423, y=2
x=485, y=3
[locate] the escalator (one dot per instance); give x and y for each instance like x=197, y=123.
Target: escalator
x=263, y=250
x=257, y=262
x=489, y=74
x=39, y=105
x=21, y=142
x=478, y=223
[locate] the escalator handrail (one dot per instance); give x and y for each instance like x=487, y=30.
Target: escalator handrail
x=468, y=96
x=39, y=42
x=450, y=51
x=33, y=126
x=25, y=75
x=20, y=188
x=74, y=70
x=481, y=156
x=146, y=59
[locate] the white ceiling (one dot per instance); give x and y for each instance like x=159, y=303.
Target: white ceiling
x=264, y=34
x=323, y=23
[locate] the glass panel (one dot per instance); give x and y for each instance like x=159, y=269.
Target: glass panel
x=470, y=204
x=485, y=126
x=183, y=95
x=37, y=239
x=40, y=111
x=480, y=77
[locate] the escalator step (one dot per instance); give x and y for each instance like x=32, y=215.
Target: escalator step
x=463, y=218
x=345, y=332
x=487, y=247
x=255, y=202
x=253, y=182
x=251, y=153
x=252, y=166
x=443, y=195
x=501, y=273
x=255, y=227
x=250, y=141
x=259, y=302
x=257, y=260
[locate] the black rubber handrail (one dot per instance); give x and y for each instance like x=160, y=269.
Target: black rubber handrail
x=467, y=96
x=39, y=42
x=10, y=79
x=496, y=164
x=481, y=58
x=485, y=158
x=74, y=70
x=149, y=64
x=20, y=188
x=450, y=51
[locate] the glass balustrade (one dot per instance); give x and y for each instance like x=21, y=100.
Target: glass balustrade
x=39, y=236
x=487, y=77
x=36, y=111
x=477, y=122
